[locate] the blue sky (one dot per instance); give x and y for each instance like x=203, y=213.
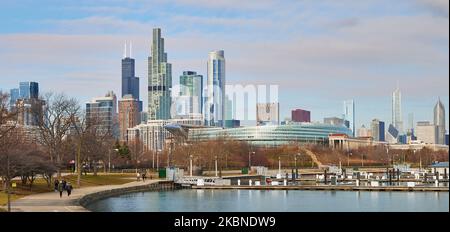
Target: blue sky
x=320, y=53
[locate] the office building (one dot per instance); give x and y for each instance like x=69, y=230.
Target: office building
x=299, y=115
x=129, y=115
x=349, y=114
x=159, y=80
x=14, y=94
x=130, y=83
x=334, y=121
x=102, y=111
x=29, y=111
x=378, y=132
x=439, y=121
x=215, y=89
x=191, y=86
x=364, y=132
x=397, y=119
x=29, y=90
x=267, y=114
x=426, y=132
x=153, y=135
x=392, y=134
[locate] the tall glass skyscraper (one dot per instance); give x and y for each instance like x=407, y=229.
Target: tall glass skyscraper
x=215, y=89
x=192, y=87
x=29, y=90
x=130, y=83
x=439, y=121
x=159, y=80
x=397, y=120
x=14, y=95
x=349, y=114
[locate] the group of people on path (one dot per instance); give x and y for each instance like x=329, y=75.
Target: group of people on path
x=141, y=175
x=61, y=186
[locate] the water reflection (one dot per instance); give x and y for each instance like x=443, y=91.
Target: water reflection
x=274, y=201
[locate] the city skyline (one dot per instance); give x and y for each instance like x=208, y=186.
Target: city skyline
x=423, y=78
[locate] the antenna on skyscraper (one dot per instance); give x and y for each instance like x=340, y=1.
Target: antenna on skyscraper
x=125, y=50
x=131, y=48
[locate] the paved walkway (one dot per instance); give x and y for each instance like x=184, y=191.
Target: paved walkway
x=51, y=202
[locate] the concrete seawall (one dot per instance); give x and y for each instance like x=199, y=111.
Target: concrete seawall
x=155, y=186
x=52, y=202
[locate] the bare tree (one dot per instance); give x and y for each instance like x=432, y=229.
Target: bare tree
x=54, y=122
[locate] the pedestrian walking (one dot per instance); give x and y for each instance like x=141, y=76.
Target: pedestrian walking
x=143, y=176
x=60, y=188
x=64, y=183
x=56, y=185
x=138, y=176
x=69, y=188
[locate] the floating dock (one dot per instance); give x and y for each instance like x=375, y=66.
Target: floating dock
x=330, y=187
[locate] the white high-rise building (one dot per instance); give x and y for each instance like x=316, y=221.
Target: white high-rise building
x=215, y=89
x=439, y=121
x=426, y=132
x=397, y=120
x=349, y=114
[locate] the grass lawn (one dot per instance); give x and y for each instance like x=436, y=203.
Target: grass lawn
x=40, y=185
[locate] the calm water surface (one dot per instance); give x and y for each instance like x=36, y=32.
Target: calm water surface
x=273, y=201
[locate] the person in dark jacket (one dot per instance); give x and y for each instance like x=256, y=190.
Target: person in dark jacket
x=64, y=184
x=69, y=188
x=60, y=188
x=56, y=185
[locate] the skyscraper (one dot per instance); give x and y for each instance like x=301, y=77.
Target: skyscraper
x=130, y=83
x=397, y=120
x=129, y=115
x=14, y=95
x=191, y=86
x=427, y=132
x=215, y=94
x=439, y=121
x=349, y=114
x=28, y=90
x=268, y=114
x=103, y=112
x=299, y=115
x=378, y=132
x=159, y=80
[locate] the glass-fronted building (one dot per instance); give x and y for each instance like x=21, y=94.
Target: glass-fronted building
x=268, y=135
x=191, y=86
x=159, y=80
x=29, y=90
x=215, y=89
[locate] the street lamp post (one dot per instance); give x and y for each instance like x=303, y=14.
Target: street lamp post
x=8, y=182
x=362, y=159
x=157, y=160
x=215, y=164
x=295, y=161
x=153, y=160
x=279, y=165
x=250, y=159
x=348, y=158
x=190, y=165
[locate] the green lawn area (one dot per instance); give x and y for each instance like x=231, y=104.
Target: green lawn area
x=91, y=180
x=40, y=185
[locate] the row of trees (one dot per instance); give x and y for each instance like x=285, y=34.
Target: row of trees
x=63, y=133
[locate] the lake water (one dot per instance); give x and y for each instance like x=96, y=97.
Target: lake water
x=189, y=200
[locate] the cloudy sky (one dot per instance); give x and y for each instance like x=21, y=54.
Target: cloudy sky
x=318, y=52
